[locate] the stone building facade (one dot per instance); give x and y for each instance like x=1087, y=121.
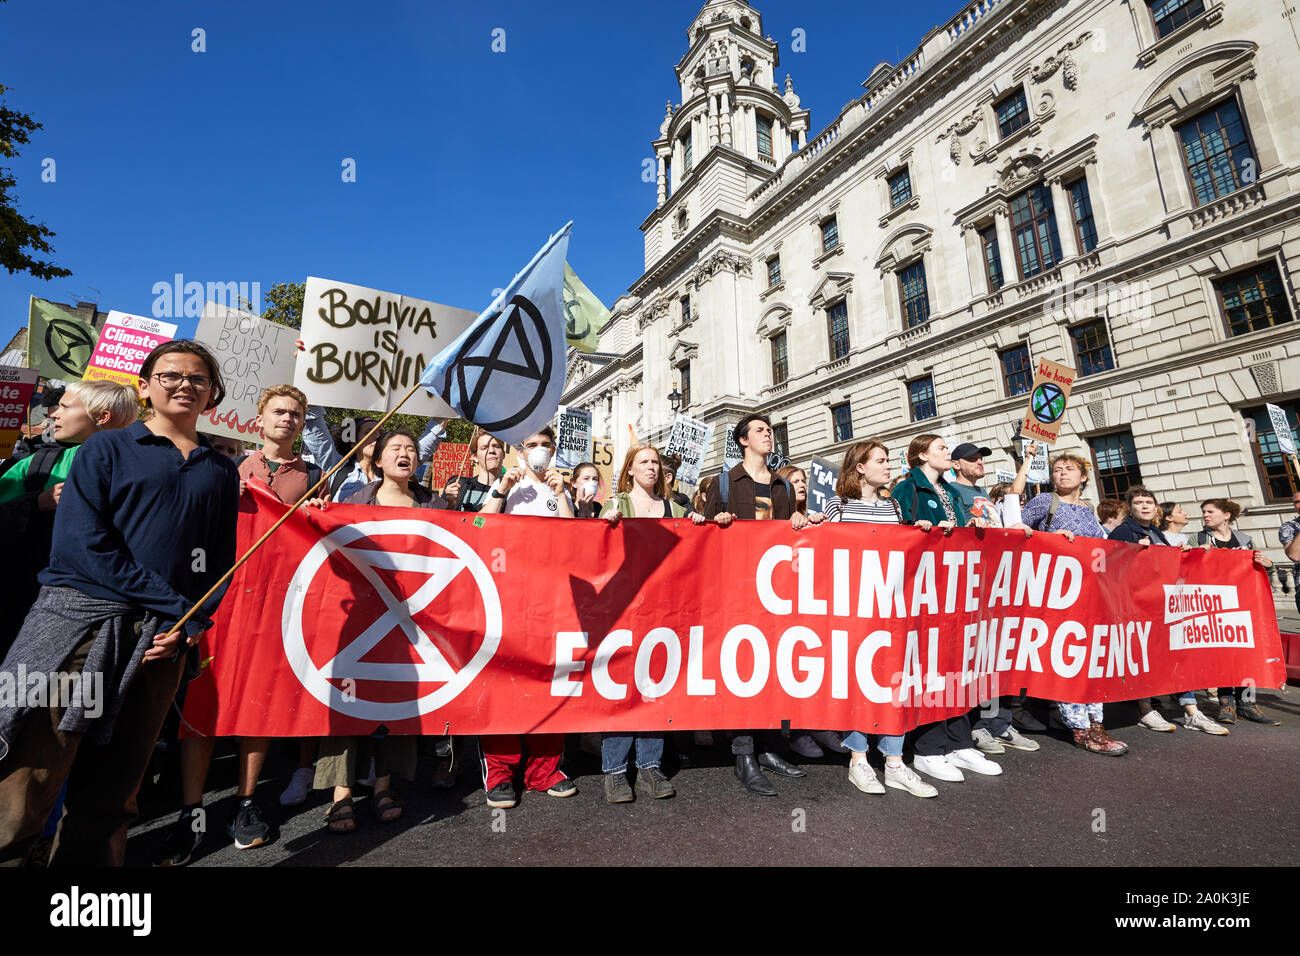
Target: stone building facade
x=1110, y=184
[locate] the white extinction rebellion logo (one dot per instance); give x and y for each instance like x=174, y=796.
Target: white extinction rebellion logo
x=429, y=664
x=1205, y=615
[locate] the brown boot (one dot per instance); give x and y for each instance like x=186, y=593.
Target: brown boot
x=1094, y=739
x=1252, y=713
x=1227, y=710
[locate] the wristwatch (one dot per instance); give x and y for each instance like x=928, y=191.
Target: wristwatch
x=496, y=493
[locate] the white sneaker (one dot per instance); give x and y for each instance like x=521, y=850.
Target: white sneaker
x=972, y=759
x=904, y=777
x=1017, y=741
x=1198, y=721
x=864, y=778
x=1152, y=720
x=986, y=742
x=937, y=767
x=299, y=787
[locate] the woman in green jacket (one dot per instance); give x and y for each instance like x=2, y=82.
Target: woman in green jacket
x=642, y=493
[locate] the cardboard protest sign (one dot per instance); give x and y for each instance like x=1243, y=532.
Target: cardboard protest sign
x=1282, y=429
x=1047, y=399
x=58, y=344
x=16, y=387
x=1038, y=473
x=572, y=437
x=366, y=348
x=822, y=476
x=602, y=456
x=732, y=453
x=451, y=459
x=252, y=353
x=124, y=343
x=689, y=441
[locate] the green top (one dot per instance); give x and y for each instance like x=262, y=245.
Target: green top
x=13, y=483
x=622, y=503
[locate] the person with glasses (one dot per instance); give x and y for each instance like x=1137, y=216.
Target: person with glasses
x=144, y=528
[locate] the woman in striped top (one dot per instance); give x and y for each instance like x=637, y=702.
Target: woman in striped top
x=864, y=474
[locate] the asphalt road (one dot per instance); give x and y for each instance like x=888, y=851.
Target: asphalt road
x=1180, y=799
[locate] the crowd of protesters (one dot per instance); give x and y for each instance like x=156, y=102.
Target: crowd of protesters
x=128, y=517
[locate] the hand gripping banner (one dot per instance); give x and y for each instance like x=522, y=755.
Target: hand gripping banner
x=359, y=616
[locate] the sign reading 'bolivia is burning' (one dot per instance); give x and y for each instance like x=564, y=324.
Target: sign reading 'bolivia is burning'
x=355, y=616
x=366, y=348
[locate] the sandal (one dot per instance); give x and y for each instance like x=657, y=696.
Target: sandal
x=384, y=802
x=342, y=818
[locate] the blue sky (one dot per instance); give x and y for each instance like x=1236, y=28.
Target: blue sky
x=226, y=165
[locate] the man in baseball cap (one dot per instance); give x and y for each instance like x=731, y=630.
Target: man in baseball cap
x=993, y=734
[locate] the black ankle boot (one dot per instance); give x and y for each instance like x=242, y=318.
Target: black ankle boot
x=747, y=772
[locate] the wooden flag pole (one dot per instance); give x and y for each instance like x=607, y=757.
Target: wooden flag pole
x=307, y=496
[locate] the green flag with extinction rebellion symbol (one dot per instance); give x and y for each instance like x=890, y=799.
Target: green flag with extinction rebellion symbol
x=584, y=314
x=58, y=344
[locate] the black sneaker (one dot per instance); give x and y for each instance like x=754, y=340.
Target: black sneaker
x=502, y=795
x=181, y=842
x=565, y=788
x=248, y=828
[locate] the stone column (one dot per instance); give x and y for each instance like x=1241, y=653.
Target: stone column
x=1006, y=247
x=1063, y=211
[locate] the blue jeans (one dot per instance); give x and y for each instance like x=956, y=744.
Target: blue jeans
x=891, y=745
x=614, y=749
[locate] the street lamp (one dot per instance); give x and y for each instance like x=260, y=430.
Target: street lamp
x=675, y=398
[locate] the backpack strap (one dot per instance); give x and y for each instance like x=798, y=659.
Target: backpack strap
x=44, y=458
x=724, y=485
x=313, y=474
x=336, y=482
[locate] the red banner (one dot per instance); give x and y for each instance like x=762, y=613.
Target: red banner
x=357, y=616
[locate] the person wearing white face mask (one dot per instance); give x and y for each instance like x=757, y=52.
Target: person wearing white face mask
x=584, y=486
x=532, y=487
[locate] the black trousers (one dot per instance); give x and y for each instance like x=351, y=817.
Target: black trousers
x=943, y=737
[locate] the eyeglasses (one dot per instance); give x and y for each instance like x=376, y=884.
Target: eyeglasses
x=172, y=380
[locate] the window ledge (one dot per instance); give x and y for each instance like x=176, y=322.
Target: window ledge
x=1229, y=205
x=762, y=296
x=1204, y=20
x=913, y=203
x=826, y=256
x=915, y=333
x=836, y=364
x=778, y=387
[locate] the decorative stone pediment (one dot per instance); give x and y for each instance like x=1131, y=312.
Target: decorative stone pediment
x=906, y=242
x=1195, y=78
x=1021, y=169
x=683, y=351
x=577, y=369
x=776, y=319
x=834, y=287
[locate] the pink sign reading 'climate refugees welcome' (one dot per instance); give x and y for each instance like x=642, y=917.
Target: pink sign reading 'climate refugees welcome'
x=124, y=343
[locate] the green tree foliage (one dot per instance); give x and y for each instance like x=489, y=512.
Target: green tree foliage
x=282, y=303
x=17, y=234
